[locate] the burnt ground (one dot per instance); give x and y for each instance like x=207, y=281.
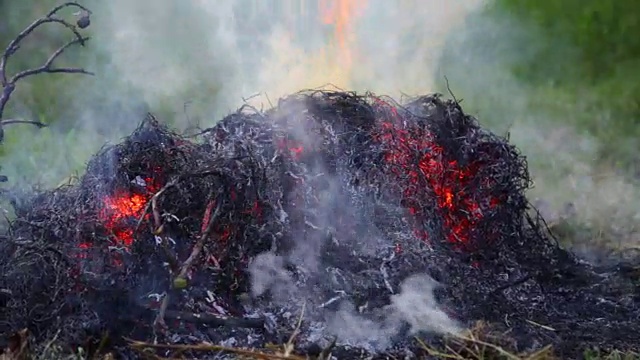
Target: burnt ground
x=345, y=208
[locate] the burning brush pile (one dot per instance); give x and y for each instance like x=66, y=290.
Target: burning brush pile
x=343, y=218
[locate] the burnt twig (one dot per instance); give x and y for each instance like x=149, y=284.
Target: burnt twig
x=158, y=231
x=446, y=80
x=159, y=321
x=20, y=121
x=289, y=347
x=180, y=277
x=515, y=283
x=197, y=248
x=207, y=319
x=152, y=205
x=158, y=225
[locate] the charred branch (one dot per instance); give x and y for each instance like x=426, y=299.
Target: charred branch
x=215, y=321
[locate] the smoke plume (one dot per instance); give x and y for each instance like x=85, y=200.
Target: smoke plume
x=414, y=305
x=193, y=62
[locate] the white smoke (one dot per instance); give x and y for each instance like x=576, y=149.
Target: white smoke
x=268, y=274
x=414, y=305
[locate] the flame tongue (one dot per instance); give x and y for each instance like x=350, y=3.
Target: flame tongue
x=341, y=14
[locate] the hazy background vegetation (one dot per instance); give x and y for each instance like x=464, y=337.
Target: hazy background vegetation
x=561, y=77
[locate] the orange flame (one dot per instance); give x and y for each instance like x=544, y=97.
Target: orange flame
x=292, y=67
x=342, y=14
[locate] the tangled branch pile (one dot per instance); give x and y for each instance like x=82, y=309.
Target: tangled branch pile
x=331, y=202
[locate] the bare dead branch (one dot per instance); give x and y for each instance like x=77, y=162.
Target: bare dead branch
x=46, y=68
x=9, y=83
x=14, y=45
x=142, y=346
x=20, y=121
x=67, y=4
x=212, y=320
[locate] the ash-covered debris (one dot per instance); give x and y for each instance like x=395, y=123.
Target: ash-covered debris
x=370, y=221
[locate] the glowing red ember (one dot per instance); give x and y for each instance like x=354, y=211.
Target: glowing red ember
x=121, y=207
x=295, y=149
x=419, y=163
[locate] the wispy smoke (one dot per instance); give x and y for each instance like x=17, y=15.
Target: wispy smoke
x=411, y=311
x=168, y=50
x=268, y=273
x=414, y=305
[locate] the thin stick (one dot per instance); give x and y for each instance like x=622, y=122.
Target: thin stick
x=450, y=92
x=20, y=121
x=289, y=346
x=150, y=204
x=140, y=345
x=186, y=265
x=46, y=67
x=229, y=322
x=67, y=4
x=159, y=321
x=497, y=348
x=197, y=248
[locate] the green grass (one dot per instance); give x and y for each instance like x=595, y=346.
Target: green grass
x=584, y=54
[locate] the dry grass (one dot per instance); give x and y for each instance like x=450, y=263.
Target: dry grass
x=482, y=343
x=478, y=343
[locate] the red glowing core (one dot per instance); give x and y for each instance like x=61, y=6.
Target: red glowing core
x=119, y=209
x=419, y=163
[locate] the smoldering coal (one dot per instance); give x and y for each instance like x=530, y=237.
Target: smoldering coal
x=350, y=207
